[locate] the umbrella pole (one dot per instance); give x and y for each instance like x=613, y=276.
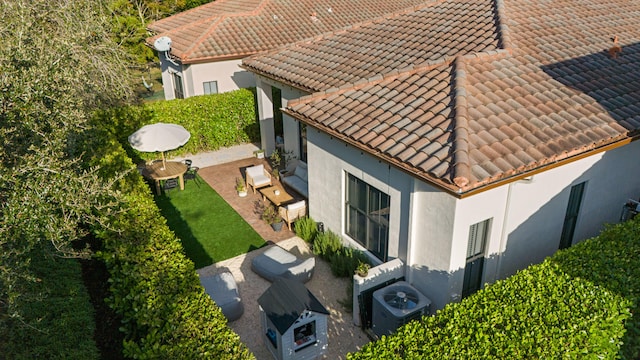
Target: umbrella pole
x=164, y=162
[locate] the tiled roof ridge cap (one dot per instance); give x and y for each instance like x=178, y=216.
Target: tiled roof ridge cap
x=461, y=165
x=328, y=34
x=376, y=79
x=503, y=28
x=217, y=19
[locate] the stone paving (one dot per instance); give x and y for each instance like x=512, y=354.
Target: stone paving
x=220, y=170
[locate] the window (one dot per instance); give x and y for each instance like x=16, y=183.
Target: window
x=210, y=87
x=571, y=216
x=303, y=141
x=478, y=234
x=304, y=335
x=276, y=98
x=178, y=90
x=367, y=216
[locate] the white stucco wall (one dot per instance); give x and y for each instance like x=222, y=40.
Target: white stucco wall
x=167, y=81
x=227, y=73
x=429, y=229
x=329, y=161
x=265, y=115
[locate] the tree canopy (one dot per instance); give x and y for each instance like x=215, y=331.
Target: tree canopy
x=58, y=64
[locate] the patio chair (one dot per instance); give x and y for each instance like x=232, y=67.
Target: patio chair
x=169, y=184
x=257, y=177
x=293, y=212
x=191, y=174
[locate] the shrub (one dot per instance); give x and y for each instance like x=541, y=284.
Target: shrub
x=214, y=121
x=154, y=287
x=574, y=305
x=345, y=261
x=306, y=228
x=326, y=244
x=60, y=325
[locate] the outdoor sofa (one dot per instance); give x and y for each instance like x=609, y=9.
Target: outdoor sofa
x=278, y=262
x=223, y=290
x=298, y=179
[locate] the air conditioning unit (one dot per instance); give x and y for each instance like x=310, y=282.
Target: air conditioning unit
x=396, y=305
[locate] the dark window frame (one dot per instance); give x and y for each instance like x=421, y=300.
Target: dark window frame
x=367, y=216
x=178, y=86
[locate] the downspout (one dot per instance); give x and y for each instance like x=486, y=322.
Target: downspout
x=505, y=219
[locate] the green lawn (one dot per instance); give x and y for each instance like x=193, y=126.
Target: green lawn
x=209, y=228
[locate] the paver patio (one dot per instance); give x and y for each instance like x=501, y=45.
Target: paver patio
x=344, y=337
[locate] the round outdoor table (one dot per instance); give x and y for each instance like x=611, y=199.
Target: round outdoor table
x=171, y=170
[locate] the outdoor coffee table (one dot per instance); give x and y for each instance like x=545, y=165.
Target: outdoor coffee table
x=270, y=193
x=173, y=169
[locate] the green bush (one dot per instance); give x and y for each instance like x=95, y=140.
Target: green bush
x=306, y=228
x=57, y=325
x=582, y=302
x=344, y=262
x=326, y=244
x=154, y=287
x=214, y=121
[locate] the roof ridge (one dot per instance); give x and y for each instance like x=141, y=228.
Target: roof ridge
x=503, y=29
x=461, y=164
x=376, y=79
x=200, y=39
x=217, y=20
x=407, y=10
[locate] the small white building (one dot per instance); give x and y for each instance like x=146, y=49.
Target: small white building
x=467, y=139
x=294, y=322
x=209, y=42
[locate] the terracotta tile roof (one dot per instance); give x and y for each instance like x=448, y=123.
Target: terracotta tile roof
x=516, y=86
x=225, y=29
x=434, y=31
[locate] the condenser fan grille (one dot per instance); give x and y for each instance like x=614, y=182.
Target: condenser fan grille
x=401, y=299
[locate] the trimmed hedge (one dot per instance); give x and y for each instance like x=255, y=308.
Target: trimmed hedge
x=166, y=313
x=60, y=325
x=214, y=121
x=577, y=304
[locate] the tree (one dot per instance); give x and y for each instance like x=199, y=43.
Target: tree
x=58, y=65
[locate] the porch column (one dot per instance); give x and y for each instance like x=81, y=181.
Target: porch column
x=265, y=116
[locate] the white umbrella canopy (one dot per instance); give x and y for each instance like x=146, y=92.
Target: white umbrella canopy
x=159, y=137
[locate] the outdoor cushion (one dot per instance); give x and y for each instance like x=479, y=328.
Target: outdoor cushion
x=296, y=205
x=301, y=171
x=297, y=184
x=257, y=176
x=223, y=291
x=277, y=261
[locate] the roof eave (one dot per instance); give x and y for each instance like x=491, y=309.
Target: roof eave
x=278, y=79
x=451, y=188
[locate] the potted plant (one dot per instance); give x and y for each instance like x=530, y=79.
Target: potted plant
x=259, y=153
x=363, y=269
x=270, y=216
x=241, y=188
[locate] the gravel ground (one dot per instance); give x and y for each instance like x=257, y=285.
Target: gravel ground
x=344, y=337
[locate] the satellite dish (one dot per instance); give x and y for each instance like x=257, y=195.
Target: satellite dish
x=162, y=43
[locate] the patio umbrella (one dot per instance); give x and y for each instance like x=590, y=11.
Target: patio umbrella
x=159, y=137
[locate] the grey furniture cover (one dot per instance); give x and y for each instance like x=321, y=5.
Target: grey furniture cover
x=276, y=261
x=224, y=292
